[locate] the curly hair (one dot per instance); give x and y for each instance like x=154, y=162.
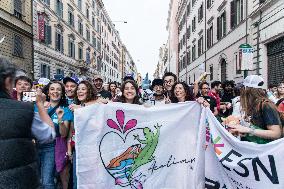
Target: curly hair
x=188, y=91
x=91, y=92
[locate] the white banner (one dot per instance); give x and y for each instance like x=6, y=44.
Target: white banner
x=176, y=146
x=130, y=146
x=234, y=164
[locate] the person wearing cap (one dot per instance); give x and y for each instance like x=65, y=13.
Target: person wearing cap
x=22, y=83
x=70, y=84
x=158, y=89
x=102, y=93
x=261, y=122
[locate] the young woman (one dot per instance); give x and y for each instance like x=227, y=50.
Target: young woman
x=112, y=89
x=85, y=95
x=52, y=154
x=280, y=91
x=129, y=93
x=181, y=93
x=261, y=115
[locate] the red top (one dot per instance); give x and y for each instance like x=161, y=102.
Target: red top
x=216, y=97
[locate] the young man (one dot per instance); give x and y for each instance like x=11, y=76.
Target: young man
x=22, y=83
x=169, y=80
x=216, y=87
x=226, y=99
x=98, y=83
x=70, y=88
x=158, y=89
x=18, y=126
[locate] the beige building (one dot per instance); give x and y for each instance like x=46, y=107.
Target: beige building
x=16, y=34
x=211, y=32
x=67, y=38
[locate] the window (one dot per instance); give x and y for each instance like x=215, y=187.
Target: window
x=80, y=53
x=99, y=45
x=60, y=72
x=221, y=26
x=46, y=2
x=188, y=57
x=88, y=58
x=44, y=71
x=193, y=2
x=18, y=46
x=211, y=72
x=238, y=67
x=87, y=11
x=71, y=47
x=188, y=32
x=80, y=4
x=193, y=24
x=193, y=51
x=88, y=35
x=70, y=16
x=188, y=9
x=209, y=3
x=47, y=33
x=210, y=37
x=200, y=46
x=93, y=4
x=18, y=8
x=80, y=26
x=93, y=21
x=200, y=13
x=94, y=42
x=59, y=8
x=237, y=12
x=59, y=41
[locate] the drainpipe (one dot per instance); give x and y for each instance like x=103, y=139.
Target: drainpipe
x=258, y=43
x=246, y=71
x=186, y=74
x=33, y=55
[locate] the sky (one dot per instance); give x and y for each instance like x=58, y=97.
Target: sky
x=145, y=31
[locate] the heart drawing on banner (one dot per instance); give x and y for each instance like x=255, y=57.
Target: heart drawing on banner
x=136, y=151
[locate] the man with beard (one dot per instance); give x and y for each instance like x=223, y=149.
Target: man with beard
x=103, y=94
x=216, y=87
x=157, y=88
x=70, y=88
x=226, y=108
x=169, y=80
x=204, y=90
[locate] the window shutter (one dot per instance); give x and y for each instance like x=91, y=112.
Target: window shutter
x=48, y=72
x=48, y=34
x=18, y=6
x=233, y=14
x=61, y=9
x=224, y=25
x=218, y=27
x=69, y=48
x=61, y=44
x=56, y=41
x=41, y=70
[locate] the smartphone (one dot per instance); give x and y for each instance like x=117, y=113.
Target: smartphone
x=29, y=96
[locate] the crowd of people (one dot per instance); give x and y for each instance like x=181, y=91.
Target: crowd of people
x=37, y=138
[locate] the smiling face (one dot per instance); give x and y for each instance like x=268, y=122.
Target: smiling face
x=169, y=81
x=23, y=85
x=280, y=89
x=70, y=88
x=82, y=92
x=158, y=89
x=180, y=93
x=204, y=89
x=129, y=92
x=98, y=83
x=55, y=92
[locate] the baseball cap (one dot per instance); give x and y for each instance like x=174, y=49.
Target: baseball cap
x=72, y=79
x=157, y=82
x=254, y=81
x=98, y=77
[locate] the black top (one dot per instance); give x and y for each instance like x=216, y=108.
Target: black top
x=210, y=100
x=105, y=94
x=267, y=115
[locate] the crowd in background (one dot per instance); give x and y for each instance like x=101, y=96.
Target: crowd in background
x=246, y=110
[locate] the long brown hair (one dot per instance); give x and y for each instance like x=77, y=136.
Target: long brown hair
x=136, y=98
x=251, y=98
x=91, y=92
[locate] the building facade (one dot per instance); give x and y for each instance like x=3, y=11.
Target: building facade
x=128, y=66
x=16, y=35
x=163, y=62
x=211, y=32
x=67, y=38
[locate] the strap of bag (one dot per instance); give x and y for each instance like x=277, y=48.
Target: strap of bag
x=52, y=111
